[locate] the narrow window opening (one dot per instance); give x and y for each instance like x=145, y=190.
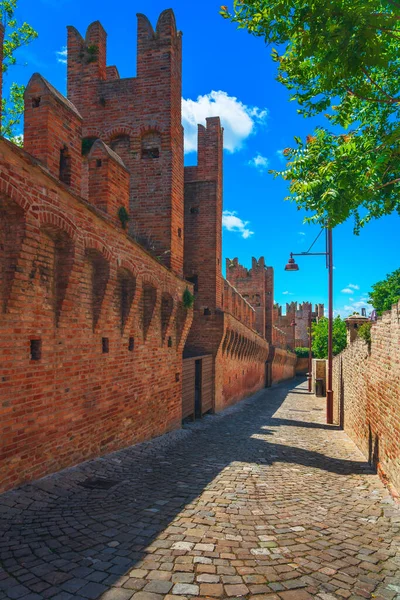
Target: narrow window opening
x=207, y=311
x=195, y=280
x=151, y=145
x=98, y=162
x=179, y=232
x=87, y=144
x=194, y=210
x=36, y=349
x=150, y=153
x=65, y=166
x=35, y=102
x=170, y=342
x=105, y=346
x=131, y=344
x=177, y=376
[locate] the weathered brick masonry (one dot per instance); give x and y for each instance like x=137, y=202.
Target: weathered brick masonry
x=91, y=330
x=296, y=336
x=92, y=322
x=367, y=394
x=257, y=287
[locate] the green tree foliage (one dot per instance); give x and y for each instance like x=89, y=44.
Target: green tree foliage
x=320, y=337
x=385, y=292
x=342, y=59
x=16, y=36
x=365, y=332
x=301, y=352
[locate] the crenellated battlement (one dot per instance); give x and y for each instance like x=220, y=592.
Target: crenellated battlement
x=95, y=321
x=140, y=119
x=299, y=314
x=256, y=285
x=53, y=131
x=238, y=306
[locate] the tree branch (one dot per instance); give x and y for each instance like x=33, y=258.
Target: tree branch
x=376, y=84
x=376, y=100
x=379, y=187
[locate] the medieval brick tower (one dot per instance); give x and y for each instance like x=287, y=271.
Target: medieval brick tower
x=140, y=119
x=257, y=286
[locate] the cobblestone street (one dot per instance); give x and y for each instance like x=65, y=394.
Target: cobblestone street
x=263, y=501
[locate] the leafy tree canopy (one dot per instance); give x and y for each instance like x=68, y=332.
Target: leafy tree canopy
x=385, y=292
x=16, y=36
x=320, y=337
x=342, y=59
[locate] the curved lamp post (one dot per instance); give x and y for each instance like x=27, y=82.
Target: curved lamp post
x=293, y=266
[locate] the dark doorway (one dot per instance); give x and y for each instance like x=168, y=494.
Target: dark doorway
x=197, y=389
x=268, y=374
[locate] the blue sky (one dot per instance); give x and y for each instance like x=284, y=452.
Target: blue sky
x=230, y=73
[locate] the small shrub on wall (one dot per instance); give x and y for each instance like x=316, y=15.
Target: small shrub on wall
x=301, y=352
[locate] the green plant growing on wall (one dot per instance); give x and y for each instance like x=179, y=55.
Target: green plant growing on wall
x=320, y=337
x=385, y=293
x=301, y=352
x=123, y=216
x=187, y=299
x=16, y=36
x=364, y=332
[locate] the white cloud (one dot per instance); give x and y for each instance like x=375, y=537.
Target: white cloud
x=354, y=286
x=238, y=120
x=347, y=291
x=281, y=156
x=259, y=162
x=301, y=233
x=288, y=293
x=62, y=55
x=232, y=222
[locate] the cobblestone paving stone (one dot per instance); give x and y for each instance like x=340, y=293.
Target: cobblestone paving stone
x=263, y=501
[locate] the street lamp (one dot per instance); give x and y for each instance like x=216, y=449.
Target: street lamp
x=309, y=350
x=293, y=266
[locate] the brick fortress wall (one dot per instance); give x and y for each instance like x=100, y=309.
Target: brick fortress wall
x=257, y=287
x=92, y=324
x=367, y=393
x=299, y=314
x=224, y=322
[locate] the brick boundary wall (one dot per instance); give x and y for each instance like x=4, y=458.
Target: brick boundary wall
x=283, y=365
x=92, y=329
x=367, y=395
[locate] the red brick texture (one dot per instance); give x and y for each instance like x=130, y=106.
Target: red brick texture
x=283, y=365
x=92, y=329
x=140, y=118
x=224, y=321
x=299, y=314
x=92, y=325
x=367, y=392
x=256, y=286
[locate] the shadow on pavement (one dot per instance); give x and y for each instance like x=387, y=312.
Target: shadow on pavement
x=57, y=536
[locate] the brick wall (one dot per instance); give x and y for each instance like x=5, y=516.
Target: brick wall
x=283, y=365
x=299, y=314
x=92, y=329
x=367, y=394
x=256, y=285
x=240, y=362
x=140, y=119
